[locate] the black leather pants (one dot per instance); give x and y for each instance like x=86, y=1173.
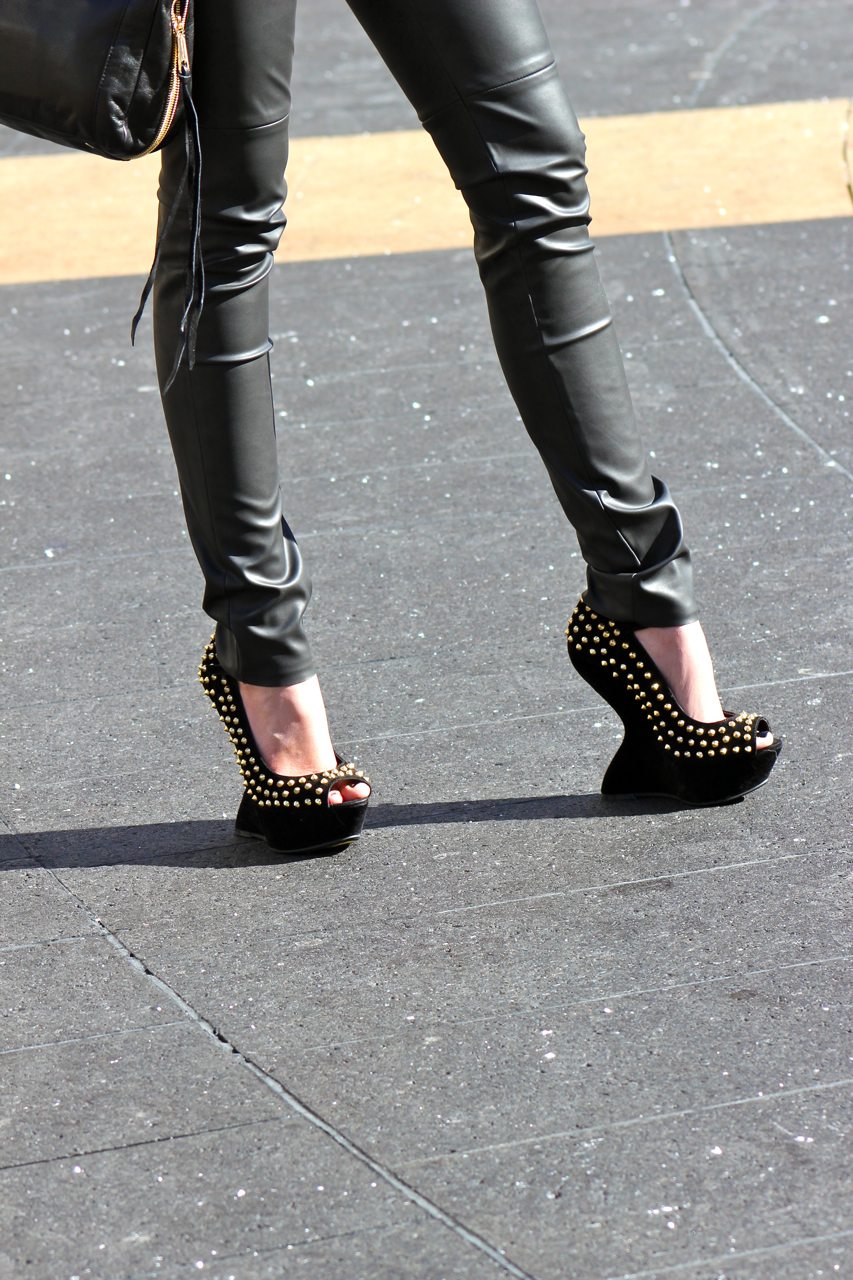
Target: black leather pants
x=481, y=76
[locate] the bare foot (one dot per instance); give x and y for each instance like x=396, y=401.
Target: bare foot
x=292, y=732
x=683, y=657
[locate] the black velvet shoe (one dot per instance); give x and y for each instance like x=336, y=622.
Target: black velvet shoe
x=664, y=752
x=292, y=814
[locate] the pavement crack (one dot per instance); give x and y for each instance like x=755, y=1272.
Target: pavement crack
x=738, y=367
x=288, y=1246
x=464, y=726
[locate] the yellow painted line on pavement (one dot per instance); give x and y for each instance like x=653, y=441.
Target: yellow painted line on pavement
x=69, y=216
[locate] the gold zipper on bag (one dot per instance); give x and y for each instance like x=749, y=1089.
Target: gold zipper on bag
x=180, y=62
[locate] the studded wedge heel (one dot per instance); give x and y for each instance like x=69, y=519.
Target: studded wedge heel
x=664, y=751
x=292, y=814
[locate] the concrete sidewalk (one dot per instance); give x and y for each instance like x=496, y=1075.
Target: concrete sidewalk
x=516, y=1031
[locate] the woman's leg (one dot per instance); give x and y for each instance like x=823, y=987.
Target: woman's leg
x=220, y=415
x=482, y=78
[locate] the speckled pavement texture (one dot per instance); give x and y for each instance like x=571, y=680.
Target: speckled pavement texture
x=516, y=1031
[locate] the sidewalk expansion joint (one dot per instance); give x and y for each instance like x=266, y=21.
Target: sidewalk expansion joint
x=738, y=367
x=462, y=726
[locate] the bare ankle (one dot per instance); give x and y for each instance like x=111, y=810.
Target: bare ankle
x=290, y=726
x=683, y=657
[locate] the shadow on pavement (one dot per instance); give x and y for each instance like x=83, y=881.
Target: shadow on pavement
x=213, y=844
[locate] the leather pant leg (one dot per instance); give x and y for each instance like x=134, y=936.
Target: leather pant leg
x=482, y=78
x=220, y=416
x=480, y=75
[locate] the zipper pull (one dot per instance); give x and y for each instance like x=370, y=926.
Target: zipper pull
x=179, y=27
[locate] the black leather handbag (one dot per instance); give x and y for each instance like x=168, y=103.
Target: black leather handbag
x=100, y=75
x=112, y=77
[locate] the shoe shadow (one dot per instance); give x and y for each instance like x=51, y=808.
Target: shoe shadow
x=213, y=844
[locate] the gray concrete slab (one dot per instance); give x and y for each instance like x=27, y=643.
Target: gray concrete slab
x=555, y=754
x=599, y=927
x=813, y=1259
x=104, y=1091
x=71, y=988
x=639, y=1200
x=438, y=1085
x=558, y=755
x=754, y=309
x=123, y=521
x=379, y=1252
x=685, y=389
x=36, y=909
x=163, y=1207
x=418, y=665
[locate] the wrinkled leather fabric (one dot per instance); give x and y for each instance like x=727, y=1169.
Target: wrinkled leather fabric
x=481, y=77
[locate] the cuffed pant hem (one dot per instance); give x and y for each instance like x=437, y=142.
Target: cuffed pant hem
x=659, y=597
x=262, y=663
